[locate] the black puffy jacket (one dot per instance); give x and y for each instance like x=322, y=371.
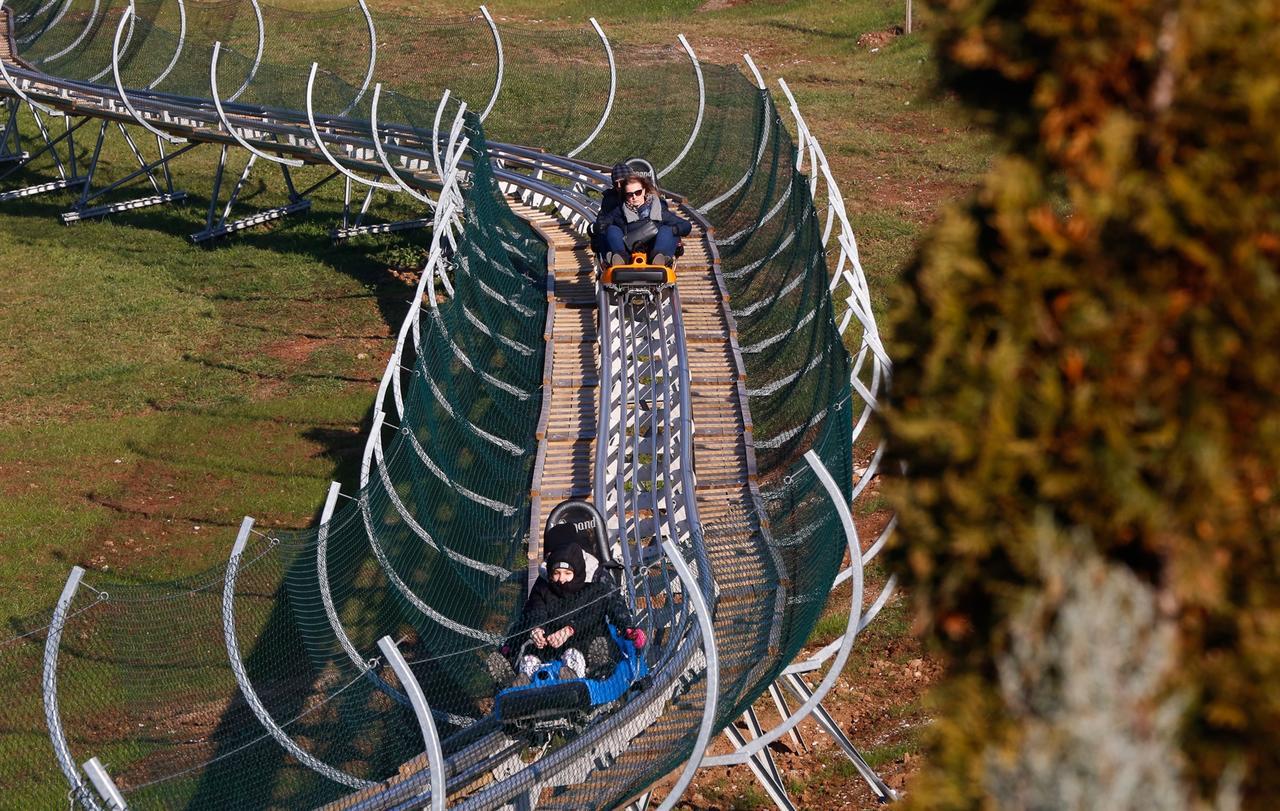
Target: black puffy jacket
x=627, y=220
x=585, y=611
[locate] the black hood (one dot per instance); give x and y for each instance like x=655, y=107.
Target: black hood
x=566, y=553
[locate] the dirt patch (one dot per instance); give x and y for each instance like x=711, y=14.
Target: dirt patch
x=879, y=39
x=719, y=5
x=292, y=350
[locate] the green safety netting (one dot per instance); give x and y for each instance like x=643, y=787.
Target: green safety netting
x=432, y=549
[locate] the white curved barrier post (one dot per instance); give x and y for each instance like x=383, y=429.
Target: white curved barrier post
x=430, y=739
x=324, y=150
x=222, y=115
x=242, y=677
x=75, y=43
x=177, y=51
x=702, y=104
x=49, y=689
x=498, y=72
x=613, y=90
x=373, y=57
x=846, y=642
x=133, y=25
x=693, y=594
x=764, y=141
x=127, y=17
x=382, y=152
x=22, y=94
x=104, y=784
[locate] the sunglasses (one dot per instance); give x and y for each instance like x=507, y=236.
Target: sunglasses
x=636, y=193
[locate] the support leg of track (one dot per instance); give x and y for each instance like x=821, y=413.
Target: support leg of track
x=883, y=793
x=163, y=194
x=357, y=227
x=784, y=711
x=217, y=228
x=753, y=725
x=68, y=176
x=11, y=138
x=776, y=790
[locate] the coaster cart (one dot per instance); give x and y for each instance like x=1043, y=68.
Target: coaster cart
x=637, y=282
x=550, y=704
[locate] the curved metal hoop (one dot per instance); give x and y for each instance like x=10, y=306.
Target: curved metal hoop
x=497, y=79
x=222, y=115
x=88, y=26
x=115, y=70
x=613, y=89
x=246, y=686
x=373, y=57
x=62, y=12
x=326, y=598
x=49, y=688
x=430, y=738
x=257, y=56
x=133, y=25
x=177, y=52
x=702, y=104
x=324, y=150
x=764, y=140
x=693, y=593
x=382, y=152
x=22, y=94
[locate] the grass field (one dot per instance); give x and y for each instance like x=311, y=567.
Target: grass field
x=152, y=393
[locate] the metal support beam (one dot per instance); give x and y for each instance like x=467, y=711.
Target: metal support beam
x=882, y=791
x=81, y=211
x=846, y=641
x=768, y=779
x=247, y=689
x=217, y=227
x=693, y=593
x=104, y=784
x=49, y=689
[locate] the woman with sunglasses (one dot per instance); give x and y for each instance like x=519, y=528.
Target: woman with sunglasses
x=642, y=220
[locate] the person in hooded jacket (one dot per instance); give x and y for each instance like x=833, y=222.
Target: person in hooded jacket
x=641, y=205
x=565, y=615
x=564, y=618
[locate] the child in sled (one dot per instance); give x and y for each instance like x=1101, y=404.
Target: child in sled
x=564, y=616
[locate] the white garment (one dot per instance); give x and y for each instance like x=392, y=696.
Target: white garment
x=572, y=657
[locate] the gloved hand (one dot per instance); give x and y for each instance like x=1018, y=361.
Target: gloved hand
x=637, y=637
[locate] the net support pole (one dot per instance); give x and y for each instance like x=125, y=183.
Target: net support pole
x=246, y=686
x=129, y=13
x=49, y=688
x=430, y=739
x=4, y=73
x=762, y=140
x=613, y=90
x=693, y=594
x=373, y=58
x=702, y=106
x=882, y=791
x=222, y=114
x=324, y=150
x=499, y=70
x=104, y=784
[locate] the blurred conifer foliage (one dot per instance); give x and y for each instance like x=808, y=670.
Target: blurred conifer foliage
x=1095, y=336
